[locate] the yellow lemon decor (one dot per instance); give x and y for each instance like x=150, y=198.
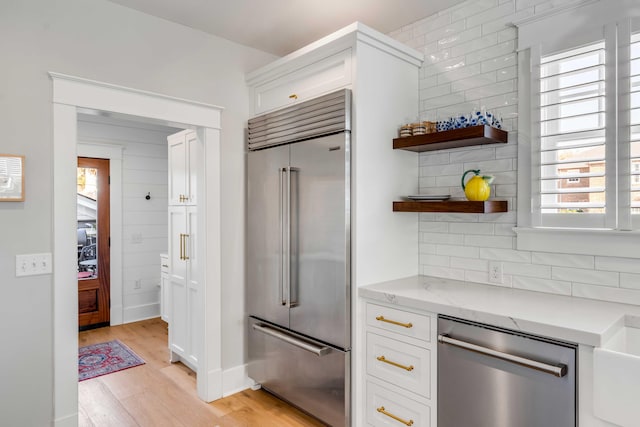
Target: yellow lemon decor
x=478, y=188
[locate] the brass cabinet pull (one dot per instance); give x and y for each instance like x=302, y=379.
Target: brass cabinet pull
x=184, y=198
x=293, y=96
x=181, y=250
x=395, y=417
x=397, y=365
x=186, y=257
x=393, y=322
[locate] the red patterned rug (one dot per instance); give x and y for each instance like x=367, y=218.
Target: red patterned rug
x=105, y=358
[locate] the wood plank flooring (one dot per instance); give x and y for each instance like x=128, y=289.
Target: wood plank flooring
x=160, y=393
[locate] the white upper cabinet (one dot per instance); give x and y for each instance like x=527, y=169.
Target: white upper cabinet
x=182, y=171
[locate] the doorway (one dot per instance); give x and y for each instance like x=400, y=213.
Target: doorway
x=71, y=95
x=93, y=232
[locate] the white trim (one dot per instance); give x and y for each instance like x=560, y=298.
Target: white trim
x=140, y=312
x=113, y=152
x=610, y=243
x=70, y=93
x=236, y=379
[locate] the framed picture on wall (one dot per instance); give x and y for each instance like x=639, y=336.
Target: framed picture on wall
x=11, y=178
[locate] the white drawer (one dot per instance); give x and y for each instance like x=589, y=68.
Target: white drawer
x=402, y=322
x=399, y=363
x=164, y=263
x=383, y=405
x=323, y=76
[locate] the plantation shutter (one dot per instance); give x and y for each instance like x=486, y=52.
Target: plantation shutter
x=634, y=107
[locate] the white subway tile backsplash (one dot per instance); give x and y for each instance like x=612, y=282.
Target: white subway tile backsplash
x=447, y=273
x=563, y=260
x=507, y=255
x=630, y=281
x=472, y=228
x=427, y=248
x=472, y=47
x=457, y=250
x=503, y=10
x=580, y=275
x=542, y=285
x=471, y=65
x=528, y=270
x=474, y=155
x=433, y=158
x=498, y=50
x=473, y=82
x=461, y=37
x=505, y=242
x=433, y=226
x=603, y=293
x=442, y=238
x=434, y=260
x=470, y=263
x=509, y=33
x=628, y=265
x=438, y=170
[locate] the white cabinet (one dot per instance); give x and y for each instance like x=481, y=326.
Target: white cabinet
x=184, y=284
x=183, y=154
x=309, y=81
x=164, y=287
x=401, y=367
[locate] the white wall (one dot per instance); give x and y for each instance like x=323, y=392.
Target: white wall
x=103, y=41
x=144, y=231
x=470, y=64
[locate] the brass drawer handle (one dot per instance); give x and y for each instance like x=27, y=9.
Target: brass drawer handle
x=397, y=365
x=293, y=96
x=395, y=417
x=393, y=322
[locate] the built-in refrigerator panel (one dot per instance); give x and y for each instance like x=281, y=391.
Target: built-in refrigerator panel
x=265, y=221
x=319, y=239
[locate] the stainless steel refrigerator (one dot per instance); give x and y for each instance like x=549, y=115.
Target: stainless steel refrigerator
x=298, y=255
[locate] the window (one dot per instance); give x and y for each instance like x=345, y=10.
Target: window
x=579, y=130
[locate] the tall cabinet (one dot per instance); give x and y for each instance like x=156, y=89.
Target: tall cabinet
x=184, y=285
x=383, y=77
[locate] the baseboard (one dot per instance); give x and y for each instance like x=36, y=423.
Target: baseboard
x=67, y=421
x=116, y=315
x=235, y=380
x=141, y=312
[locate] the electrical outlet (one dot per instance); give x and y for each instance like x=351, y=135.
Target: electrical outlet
x=33, y=264
x=495, y=272
x=137, y=284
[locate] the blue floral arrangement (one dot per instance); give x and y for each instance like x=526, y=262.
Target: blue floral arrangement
x=474, y=119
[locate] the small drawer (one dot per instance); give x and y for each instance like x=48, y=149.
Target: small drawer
x=399, y=363
x=386, y=408
x=399, y=321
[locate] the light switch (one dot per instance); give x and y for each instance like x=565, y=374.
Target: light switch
x=33, y=264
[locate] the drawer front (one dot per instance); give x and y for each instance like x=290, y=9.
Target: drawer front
x=386, y=408
x=323, y=76
x=399, y=363
x=402, y=322
x=164, y=264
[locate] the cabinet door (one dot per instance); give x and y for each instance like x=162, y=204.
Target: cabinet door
x=193, y=312
x=177, y=168
x=315, y=79
x=265, y=231
x=184, y=153
x=178, y=339
x=164, y=288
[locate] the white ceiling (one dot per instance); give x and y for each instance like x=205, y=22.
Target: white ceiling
x=282, y=26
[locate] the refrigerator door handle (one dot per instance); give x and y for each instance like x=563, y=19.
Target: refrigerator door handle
x=282, y=264
x=318, y=350
x=292, y=284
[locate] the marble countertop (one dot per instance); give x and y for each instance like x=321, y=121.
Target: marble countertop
x=565, y=318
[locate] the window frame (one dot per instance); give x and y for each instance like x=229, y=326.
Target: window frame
x=617, y=232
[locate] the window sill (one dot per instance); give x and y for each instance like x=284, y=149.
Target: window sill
x=579, y=241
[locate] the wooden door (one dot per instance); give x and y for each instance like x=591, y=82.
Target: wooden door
x=93, y=243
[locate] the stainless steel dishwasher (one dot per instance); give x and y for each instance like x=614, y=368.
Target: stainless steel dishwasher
x=493, y=377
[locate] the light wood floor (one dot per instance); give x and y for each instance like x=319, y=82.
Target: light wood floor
x=159, y=393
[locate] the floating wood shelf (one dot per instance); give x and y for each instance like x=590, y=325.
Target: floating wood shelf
x=465, y=137
x=452, y=206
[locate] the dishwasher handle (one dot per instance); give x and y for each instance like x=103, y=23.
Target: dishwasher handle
x=559, y=370
x=318, y=350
